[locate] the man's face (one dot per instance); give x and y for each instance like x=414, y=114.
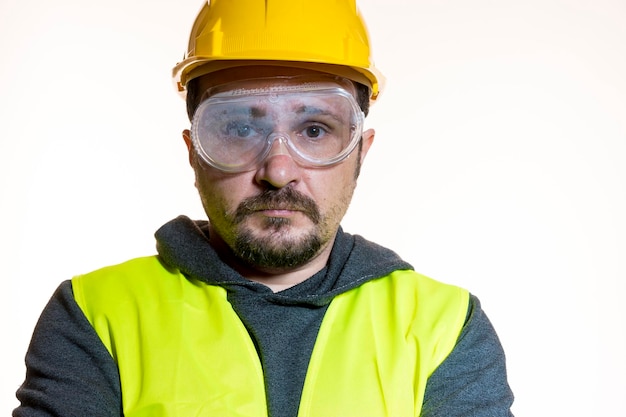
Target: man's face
x=281, y=214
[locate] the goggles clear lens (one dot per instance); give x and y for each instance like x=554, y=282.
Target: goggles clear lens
x=234, y=129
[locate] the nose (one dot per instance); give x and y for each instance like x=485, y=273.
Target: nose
x=278, y=169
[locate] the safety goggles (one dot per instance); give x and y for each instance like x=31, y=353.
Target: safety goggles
x=319, y=122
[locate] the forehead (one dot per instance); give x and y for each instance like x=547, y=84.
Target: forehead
x=233, y=75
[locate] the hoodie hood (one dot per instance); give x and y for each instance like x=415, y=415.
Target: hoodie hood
x=184, y=244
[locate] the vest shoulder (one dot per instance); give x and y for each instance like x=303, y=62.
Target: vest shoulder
x=126, y=272
x=139, y=278
x=414, y=284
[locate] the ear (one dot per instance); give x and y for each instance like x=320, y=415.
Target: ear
x=367, y=139
x=187, y=139
x=191, y=153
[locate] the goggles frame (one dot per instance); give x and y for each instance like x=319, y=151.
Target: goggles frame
x=271, y=90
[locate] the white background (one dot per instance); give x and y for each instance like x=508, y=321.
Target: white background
x=499, y=166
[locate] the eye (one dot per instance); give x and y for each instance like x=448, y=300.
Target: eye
x=239, y=130
x=314, y=132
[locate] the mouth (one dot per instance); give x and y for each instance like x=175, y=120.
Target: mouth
x=280, y=212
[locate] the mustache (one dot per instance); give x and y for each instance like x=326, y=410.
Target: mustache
x=283, y=199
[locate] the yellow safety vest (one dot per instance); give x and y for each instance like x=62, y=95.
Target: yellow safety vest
x=182, y=351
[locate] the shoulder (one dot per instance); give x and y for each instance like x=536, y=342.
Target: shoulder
x=131, y=276
x=65, y=352
x=412, y=290
x=473, y=376
x=123, y=289
x=132, y=267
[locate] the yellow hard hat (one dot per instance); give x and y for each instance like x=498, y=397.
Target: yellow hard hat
x=324, y=35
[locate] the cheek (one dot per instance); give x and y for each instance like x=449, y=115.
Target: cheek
x=335, y=187
x=219, y=194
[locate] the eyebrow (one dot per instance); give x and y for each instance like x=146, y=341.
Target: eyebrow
x=304, y=109
x=252, y=111
x=258, y=112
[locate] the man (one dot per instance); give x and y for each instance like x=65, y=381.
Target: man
x=268, y=308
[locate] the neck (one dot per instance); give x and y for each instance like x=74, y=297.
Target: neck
x=281, y=279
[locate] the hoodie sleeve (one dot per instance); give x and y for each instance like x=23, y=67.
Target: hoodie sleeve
x=69, y=372
x=472, y=380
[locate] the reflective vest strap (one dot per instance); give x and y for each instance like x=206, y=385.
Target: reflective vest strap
x=180, y=348
x=378, y=345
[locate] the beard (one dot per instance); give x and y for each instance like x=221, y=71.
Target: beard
x=277, y=250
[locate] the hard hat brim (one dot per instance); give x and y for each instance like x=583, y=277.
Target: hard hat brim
x=195, y=67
